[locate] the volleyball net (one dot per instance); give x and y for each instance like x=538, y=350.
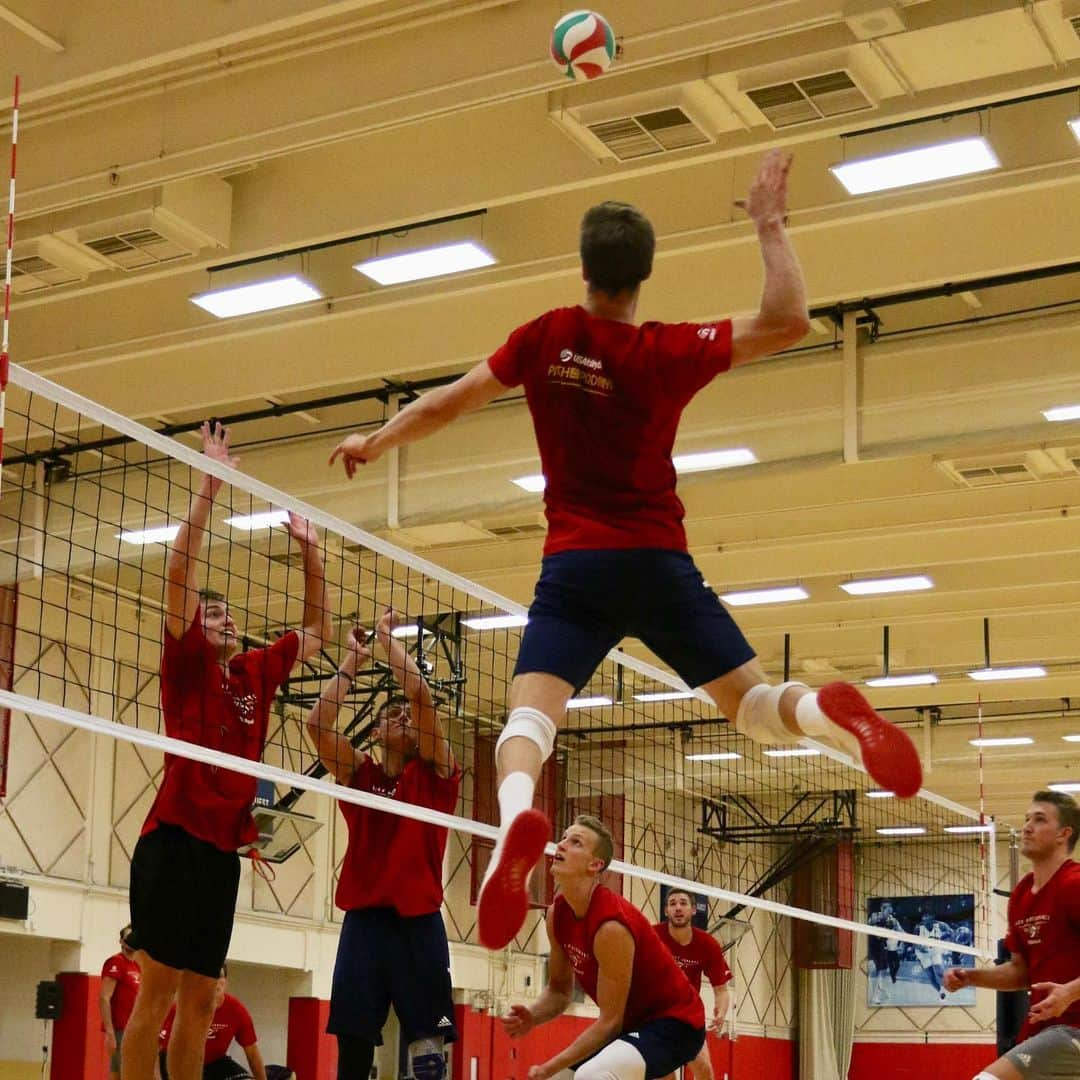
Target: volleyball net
x=89, y=501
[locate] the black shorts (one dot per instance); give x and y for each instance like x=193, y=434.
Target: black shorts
x=183, y=899
x=665, y=1044
x=386, y=959
x=586, y=602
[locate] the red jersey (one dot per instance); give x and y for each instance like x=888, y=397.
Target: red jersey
x=701, y=954
x=127, y=975
x=204, y=705
x=395, y=861
x=1044, y=928
x=231, y=1021
x=658, y=989
x=606, y=398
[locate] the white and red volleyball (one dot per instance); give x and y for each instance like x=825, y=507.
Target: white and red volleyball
x=582, y=45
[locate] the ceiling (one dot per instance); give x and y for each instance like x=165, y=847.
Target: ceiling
x=243, y=129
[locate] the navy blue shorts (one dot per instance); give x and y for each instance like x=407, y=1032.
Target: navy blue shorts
x=665, y=1044
x=586, y=602
x=386, y=959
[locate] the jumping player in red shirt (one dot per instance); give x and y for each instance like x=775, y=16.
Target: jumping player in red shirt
x=120, y=978
x=697, y=953
x=606, y=396
x=1044, y=940
x=185, y=870
x=393, y=948
x=651, y=1019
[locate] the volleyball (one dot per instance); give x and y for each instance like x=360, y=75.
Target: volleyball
x=582, y=45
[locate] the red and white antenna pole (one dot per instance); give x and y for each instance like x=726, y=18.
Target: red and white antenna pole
x=5, y=336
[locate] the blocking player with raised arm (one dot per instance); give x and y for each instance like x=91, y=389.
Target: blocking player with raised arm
x=185, y=870
x=651, y=1019
x=606, y=395
x=393, y=948
x=1044, y=942
x=697, y=953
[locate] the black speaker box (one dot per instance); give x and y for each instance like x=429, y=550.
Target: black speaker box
x=50, y=1001
x=14, y=900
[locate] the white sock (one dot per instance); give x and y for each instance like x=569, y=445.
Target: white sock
x=515, y=795
x=817, y=725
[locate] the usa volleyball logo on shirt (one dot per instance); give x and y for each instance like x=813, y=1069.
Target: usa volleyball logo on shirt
x=581, y=372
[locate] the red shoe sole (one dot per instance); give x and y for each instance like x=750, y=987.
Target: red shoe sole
x=888, y=755
x=504, y=903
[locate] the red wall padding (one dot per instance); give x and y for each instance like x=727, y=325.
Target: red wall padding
x=919, y=1061
x=311, y=1053
x=78, y=1042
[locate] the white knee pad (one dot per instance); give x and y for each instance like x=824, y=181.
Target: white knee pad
x=525, y=722
x=619, y=1060
x=984, y=1076
x=759, y=718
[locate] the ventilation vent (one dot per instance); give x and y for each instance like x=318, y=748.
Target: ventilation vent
x=990, y=475
x=511, y=532
x=137, y=249
x=815, y=97
x=31, y=273
x=658, y=132
x=1074, y=22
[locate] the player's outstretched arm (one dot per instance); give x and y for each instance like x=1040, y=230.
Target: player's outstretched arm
x=432, y=743
x=317, y=627
x=1009, y=976
x=782, y=319
x=181, y=580
x=614, y=949
x=338, y=756
x=520, y=1020
x=427, y=414
x=255, y=1061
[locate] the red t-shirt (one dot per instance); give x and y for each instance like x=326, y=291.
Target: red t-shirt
x=230, y=713
x=606, y=398
x=701, y=954
x=395, y=861
x=127, y=975
x=658, y=989
x=231, y=1021
x=1044, y=928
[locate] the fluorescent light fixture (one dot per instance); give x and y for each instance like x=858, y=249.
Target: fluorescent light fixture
x=666, y=695
x=881, y=794
x=783, y=595
x=1071, y=738
x=727, y=755
x=407, y=630
x=924, y=678
x=161, y=535
x=996, y=674
x=1012, y=740
x=495, y=622
x=530, y=483
x=266, y=520
x=588, y=702
x=877, y=586
x=902, y=830
x=714, y=459
x=794, y=751
x=960, y=157
x=428, y=263
x=968, y=830
x=1062, y=412
x=1069, y=787
x=259, y=296
x=1074, y=123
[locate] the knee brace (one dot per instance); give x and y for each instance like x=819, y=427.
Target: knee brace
x=759, y=718
x=426, y=1061
x=525, y=722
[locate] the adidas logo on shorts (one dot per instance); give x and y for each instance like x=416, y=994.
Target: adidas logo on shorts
x=444, y=1022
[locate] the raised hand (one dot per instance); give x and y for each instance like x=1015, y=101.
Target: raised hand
x=301, y=530
x=389, y=622
x=357, y=643
x=215, y=443
x=354, y=450
x=767, y=201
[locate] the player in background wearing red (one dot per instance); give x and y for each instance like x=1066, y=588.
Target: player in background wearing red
x=120, y=978
x=185, y=870
x=651, y=1020
x=231, y=1020
x=697, y=953
x=1044, y=942
x=393, y=948
x=606, y=395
